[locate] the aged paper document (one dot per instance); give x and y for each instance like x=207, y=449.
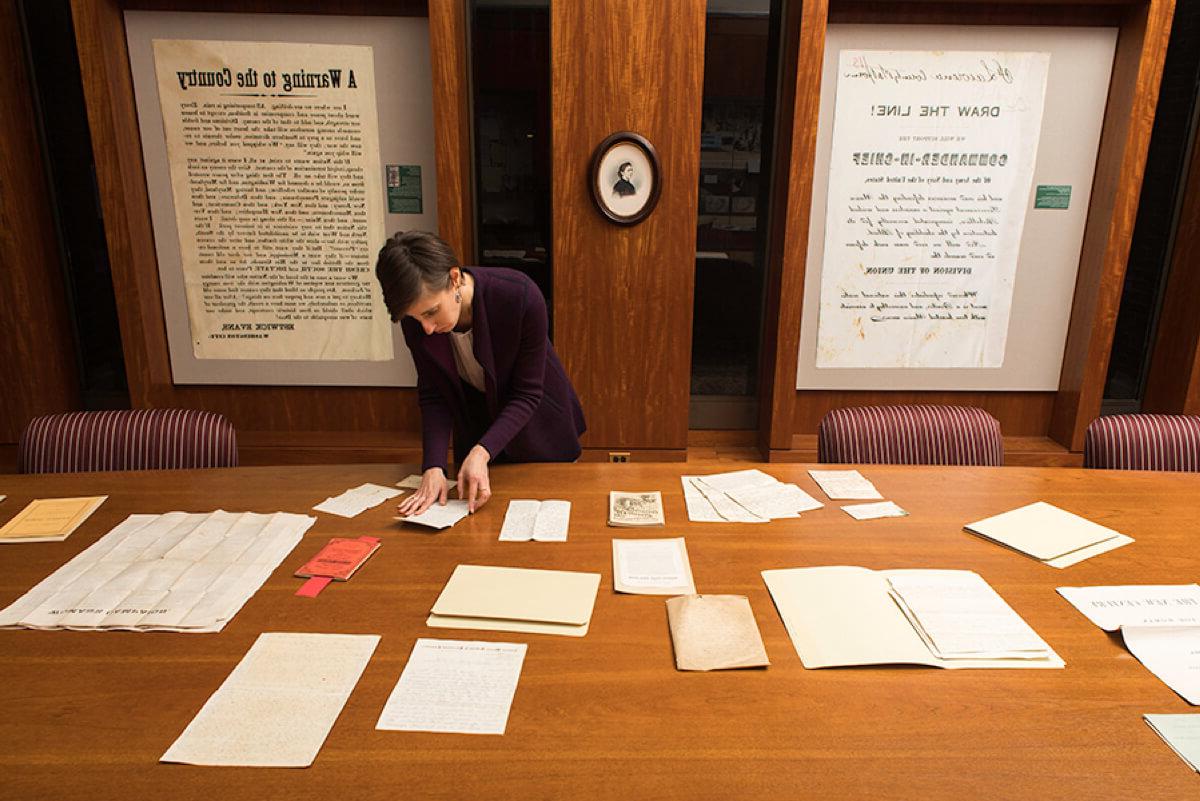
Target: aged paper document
x=1170, y=652
x=1051, y=535
x=273, y=150
x=1182, y=733
x=845, y=485
x=172, y=572
x=714, y=632
x=414, y=482
x=277, y=706
x=635, y=508
x=1111, y=608
x=543, y=521
x=652, y=567
x=355, y=501
x=874, y=511
x=49, y=519
x=844, y=616
x=455, y=686
x=438, y=516
x=516, y=599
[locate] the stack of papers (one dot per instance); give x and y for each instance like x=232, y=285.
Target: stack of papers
x=714, y=632
x=277, y=706
x=1051, y=535
x=959, y=616
x=635, y=509
x=1182, y=733
x=516, y=599
x=543, y=521
x=49, y=519
x=355, y=501
x=438, y=516
x=845, y=485
x=842, y=616
x=455, y=686
x=171, y=572
x=652, y=567
x=743, y=496
x=1159, y=623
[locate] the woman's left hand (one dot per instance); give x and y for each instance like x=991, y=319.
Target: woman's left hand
x=473, y=481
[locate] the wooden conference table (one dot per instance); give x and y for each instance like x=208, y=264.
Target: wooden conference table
x=86, y=715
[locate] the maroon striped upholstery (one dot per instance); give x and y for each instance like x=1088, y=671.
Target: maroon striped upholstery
x=138, y=439
x=955, y=435
x=1143, y=442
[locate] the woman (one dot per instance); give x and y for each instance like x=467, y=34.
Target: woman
x=485, y=367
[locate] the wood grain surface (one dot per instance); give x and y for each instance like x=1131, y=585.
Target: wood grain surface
x=37, y=339
x=87, y=714
x=623, y=295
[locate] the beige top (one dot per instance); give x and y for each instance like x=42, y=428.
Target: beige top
x=469, y=368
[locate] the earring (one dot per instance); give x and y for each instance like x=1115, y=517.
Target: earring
x=457, y=295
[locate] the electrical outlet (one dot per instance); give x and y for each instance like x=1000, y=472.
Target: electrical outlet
x=618, y=456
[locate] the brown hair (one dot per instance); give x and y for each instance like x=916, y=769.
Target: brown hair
x=409, y=264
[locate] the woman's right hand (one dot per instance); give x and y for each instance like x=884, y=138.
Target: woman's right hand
x=433, y=488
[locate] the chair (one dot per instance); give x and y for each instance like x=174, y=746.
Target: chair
x=137, y=439
x=1143, y=442
x=947, y=435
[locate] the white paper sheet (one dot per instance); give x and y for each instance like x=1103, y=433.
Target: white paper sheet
x=455, y=686
x=739, y=480
x=845, y=485
x=543, y=521
x=277, y=706
x=1110, y=608
x=438, y=516
x=774, y=501
x=727, y=508
x=1170, y=652
x=874, y=511
x=170, y=572
x=652, y=567
x=355, y=501
x=1182, y=733
x=699, y=509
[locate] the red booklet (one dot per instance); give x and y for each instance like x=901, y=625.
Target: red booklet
x=340, y=558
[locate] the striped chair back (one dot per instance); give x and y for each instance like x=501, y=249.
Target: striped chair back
x=950, y=435
x=137, y=439
x=1143, y=442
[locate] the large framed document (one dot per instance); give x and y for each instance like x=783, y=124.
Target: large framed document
x=280, y=152
x=953, y=174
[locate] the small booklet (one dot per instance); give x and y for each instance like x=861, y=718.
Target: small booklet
x=714, y=632
x=652, y=567
x=635, y=509
x=340, y=558
x=1051, y=535
x=50, y=519
x=845, y=485
x=1182, y=733
x=438, y=516
x=543, y=521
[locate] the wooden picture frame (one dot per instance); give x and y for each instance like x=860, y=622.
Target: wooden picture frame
x=624, y=178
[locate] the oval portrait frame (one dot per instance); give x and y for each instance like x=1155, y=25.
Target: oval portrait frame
x=601, y=162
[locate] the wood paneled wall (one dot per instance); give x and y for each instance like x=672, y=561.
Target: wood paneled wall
x=37, y=355
x=623, y=295
x=274, y=423
x=790, y=421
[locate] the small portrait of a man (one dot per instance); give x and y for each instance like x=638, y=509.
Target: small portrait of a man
x=624, y=186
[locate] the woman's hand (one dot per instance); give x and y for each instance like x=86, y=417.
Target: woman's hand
x=473, y=481
x=433, y=488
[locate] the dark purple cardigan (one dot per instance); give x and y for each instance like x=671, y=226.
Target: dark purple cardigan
x=535, y=415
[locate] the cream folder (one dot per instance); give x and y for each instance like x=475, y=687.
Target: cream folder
x=1046, y=532
x=844, y=616
x=516, y=599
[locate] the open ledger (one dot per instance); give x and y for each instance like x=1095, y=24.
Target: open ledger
x=1160, y=624
x=1051, y=535
x=844, y=616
